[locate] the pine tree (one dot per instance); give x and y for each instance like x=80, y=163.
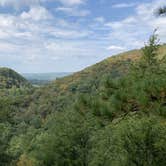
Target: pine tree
x=161, y=11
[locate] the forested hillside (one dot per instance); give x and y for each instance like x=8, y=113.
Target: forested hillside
x=9, y=79
x=110, y=114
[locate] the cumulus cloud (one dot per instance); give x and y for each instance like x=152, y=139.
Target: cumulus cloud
x=72, y=8
x=37, y=13
x=134, y=30
x=73, y=11
x=36, y=38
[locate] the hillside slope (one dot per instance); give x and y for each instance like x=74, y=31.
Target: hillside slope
x=113, y=67
x=55, y=95
x=9, y=78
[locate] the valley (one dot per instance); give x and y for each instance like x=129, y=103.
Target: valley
x=43, y=78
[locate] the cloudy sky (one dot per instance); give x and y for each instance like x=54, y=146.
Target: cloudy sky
x=68, y=35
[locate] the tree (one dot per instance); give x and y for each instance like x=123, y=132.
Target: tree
x=161, y=11
x=135, y=141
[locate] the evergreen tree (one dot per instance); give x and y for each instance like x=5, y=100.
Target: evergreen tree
x=161, y=11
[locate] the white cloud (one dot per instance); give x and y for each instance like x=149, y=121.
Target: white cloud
x=99, y=19
x=19, y=3
x=123, y=23
x=71, y=2
x=29, y=3
x=32, y=40
x=123, y=5
x=116, y=48
x=37, y=13
x=73, y=11
x=67, y=34
x=134, y=30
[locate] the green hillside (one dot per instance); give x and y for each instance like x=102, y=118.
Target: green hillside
x=9, y=78
x=115, y=66
x=110, y=114
x=55, y=95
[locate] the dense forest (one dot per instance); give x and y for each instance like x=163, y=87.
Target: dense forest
x=9, y=79
x=110, y=114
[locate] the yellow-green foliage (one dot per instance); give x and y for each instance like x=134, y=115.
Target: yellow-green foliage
x=26, y=161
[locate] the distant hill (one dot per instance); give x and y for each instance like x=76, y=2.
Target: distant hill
x=44, y=78
x=9, y=78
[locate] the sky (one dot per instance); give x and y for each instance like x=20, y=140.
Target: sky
x=39, y=36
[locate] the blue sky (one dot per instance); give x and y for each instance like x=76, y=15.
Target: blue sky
x=69, y=35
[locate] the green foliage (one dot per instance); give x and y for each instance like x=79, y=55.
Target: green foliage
x=66, y=140
x=134, y=141
x=161, y=11
x=5, y=134
x=150, y=51
x=110, y=114
x=9, y=79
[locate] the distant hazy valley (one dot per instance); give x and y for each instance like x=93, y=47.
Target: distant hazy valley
x=44, y=78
